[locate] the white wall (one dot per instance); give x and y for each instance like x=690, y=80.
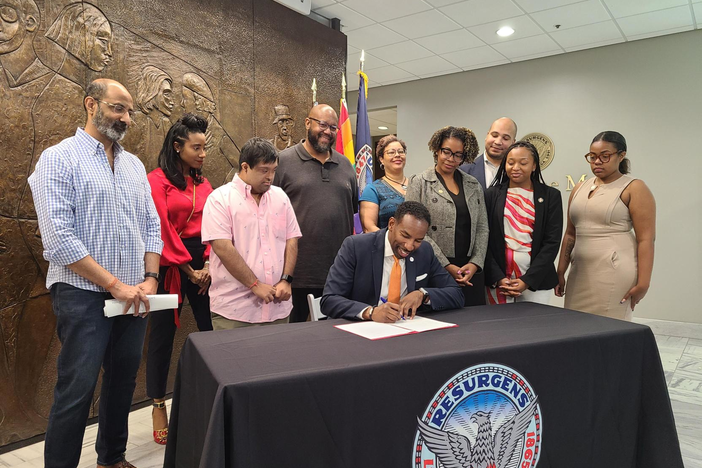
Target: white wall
x=649, y=90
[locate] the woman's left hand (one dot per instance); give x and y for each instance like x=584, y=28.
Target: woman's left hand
x=515, y=287
x=635, y=294
x=466, y=272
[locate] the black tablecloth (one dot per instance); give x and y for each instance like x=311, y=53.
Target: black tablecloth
x=310, y=395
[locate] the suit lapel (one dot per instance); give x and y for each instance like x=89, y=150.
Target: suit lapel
x=500, y=209
x=410, y=272
x=480, y=171
x=377, y=256
x=539, y=208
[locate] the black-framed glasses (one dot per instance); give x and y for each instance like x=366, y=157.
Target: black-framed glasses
x=118, y=109
x=604, y=156
x=448, y=154
x=323, y=125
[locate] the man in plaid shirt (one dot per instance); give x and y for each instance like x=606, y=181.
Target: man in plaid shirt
x=102, y=239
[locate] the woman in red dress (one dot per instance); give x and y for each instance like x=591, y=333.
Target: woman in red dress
x=179, y=192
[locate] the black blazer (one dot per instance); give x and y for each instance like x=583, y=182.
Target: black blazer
x=354, y=279
x=546, y=238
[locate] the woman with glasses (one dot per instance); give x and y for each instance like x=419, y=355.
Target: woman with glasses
x=380, y=199
x=526, y=222
x=459, y=229
x=611, y=266
x=179, y=192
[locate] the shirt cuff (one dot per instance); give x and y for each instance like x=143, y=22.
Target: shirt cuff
x=67, y=254
x=360, y=315
x=154, y=245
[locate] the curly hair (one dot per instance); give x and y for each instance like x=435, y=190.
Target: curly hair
x=501, y=175
x=465, y=135
x=384, y=142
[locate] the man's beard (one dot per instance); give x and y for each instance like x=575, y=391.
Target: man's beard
x=319, y=147
x=114, y=130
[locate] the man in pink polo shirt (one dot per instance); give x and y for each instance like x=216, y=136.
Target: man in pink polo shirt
x=253, y=231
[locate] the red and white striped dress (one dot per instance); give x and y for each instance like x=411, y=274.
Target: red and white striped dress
x=519, y=228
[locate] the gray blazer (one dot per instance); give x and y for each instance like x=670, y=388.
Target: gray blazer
x=427, y=189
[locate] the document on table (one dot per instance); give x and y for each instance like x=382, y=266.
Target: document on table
x=113, y=307
x=376, y=331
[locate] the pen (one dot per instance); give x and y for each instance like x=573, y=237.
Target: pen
x=385, y=301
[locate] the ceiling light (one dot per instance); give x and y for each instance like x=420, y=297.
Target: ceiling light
x=382, y=128
x=505, y=31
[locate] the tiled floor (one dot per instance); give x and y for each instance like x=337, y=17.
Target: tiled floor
x=680, y=346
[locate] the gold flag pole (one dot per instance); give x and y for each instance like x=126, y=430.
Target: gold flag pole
x=314, y=91
x=343, y=86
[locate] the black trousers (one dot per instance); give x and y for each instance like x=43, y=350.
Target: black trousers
x=472, y=295
x=163, y=327
x=301, y=309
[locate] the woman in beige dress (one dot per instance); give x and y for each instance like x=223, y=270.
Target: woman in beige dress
x=610, y=265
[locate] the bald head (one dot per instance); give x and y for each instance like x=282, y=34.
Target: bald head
x=102, y=87
x=324, y=112
x=502, y=133
x=321, y=125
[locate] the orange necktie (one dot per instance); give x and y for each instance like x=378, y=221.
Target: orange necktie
x=395, y=282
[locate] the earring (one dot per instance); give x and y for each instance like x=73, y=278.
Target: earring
x=382, y=166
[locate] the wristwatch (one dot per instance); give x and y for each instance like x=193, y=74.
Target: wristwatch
x=150, y=274
x=426, y=295
x=287, y=278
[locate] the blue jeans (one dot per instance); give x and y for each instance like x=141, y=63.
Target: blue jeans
x=89, y=340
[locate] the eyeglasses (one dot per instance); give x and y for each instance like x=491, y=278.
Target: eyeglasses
x=323, y=125
x=118, y=109
x=604, y=156
x=448, y=154
x=392, y=153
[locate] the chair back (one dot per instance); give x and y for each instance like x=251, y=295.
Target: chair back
x=315, y=308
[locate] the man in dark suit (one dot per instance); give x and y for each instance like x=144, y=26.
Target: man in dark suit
x=502, y=133
x=364, y=283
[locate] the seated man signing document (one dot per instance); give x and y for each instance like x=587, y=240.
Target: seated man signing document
x=388, y=274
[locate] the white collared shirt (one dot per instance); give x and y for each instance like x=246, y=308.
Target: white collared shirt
x=388, y=261
x=490, y=170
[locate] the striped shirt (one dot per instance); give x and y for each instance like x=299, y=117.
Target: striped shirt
x=84, y=208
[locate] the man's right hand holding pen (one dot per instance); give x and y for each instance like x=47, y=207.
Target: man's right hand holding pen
x=389, y=312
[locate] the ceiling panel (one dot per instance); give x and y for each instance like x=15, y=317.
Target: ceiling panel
x=450, y=41
x=527, y=47
x=384, y=10
x=531, y=6
x=401, y=52
x=422, y=24
x=598, y=33
x=350, y=18
x=427, y=66
x=373, y=36
x=386, y=74
x=621, y=8
x=663, y=20
x=472, y=57
x=523, y=27
x=474, y=12
x=571, y=16
x=411, y=39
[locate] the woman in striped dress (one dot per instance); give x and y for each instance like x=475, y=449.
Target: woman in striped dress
x=525, y=217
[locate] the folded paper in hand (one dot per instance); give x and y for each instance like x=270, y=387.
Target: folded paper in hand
x=113, y=307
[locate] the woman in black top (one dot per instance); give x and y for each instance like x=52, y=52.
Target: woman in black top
x=459, y=231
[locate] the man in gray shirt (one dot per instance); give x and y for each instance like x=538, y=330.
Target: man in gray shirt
x=321, y=184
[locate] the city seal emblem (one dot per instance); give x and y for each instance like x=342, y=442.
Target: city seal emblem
x=486, y=416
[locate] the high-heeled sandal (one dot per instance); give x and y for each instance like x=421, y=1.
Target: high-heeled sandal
x=160, y=435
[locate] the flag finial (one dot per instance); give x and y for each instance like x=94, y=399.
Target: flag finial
x=343, y=85
x=314, y=91
x=363, y=58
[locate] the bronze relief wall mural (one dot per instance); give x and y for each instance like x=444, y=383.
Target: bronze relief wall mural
x=244, y=65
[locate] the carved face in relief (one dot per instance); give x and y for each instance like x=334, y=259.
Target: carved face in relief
x=164, y=99
x=100, y=54
x=14, y=25
x=284, y=127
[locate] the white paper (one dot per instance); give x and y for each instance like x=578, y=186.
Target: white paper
x=113, y=307
x=376, y=331
x=422, y=324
